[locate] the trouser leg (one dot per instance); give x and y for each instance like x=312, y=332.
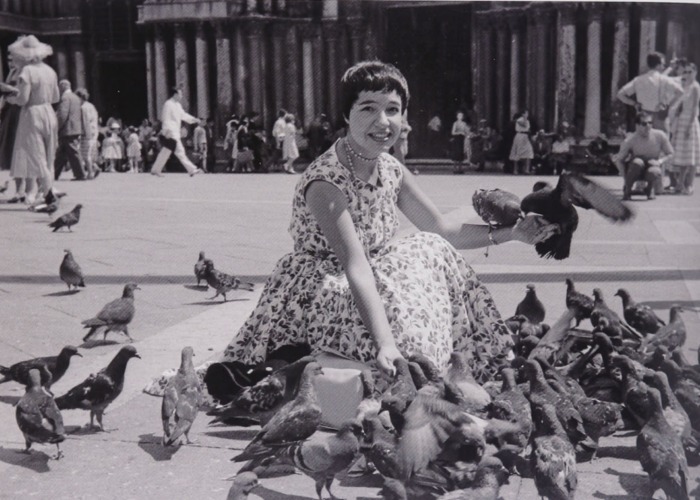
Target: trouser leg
x=182, y=156
x=632, y=175
x=72, y=152
x=161, y=160
x=654, y=179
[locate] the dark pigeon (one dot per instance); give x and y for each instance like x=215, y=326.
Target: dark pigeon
x=581, y=304
x=379, y=447
x=70, y=272
x=639, y=316
x=511, y=405
x=182, y=398
x=99, y=390
x=672, y=336
x=199, y=268
x=222, y=282
x=673, y=411
x=558, y=206
x=68, y=219
x=531, y=307
x=686, y=391
x=616, y=329
x=497, y=207
x=38, y=417
x=47, y=208
x=115, y=316
x=51, y=368
x=399, y=395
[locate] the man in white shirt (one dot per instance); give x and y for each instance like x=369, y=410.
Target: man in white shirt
x=172, y=117
x=652, y=92
x=88, y=141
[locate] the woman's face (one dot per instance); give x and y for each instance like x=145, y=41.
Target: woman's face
x=374, y=123
x=688, y=74
x=460, y=116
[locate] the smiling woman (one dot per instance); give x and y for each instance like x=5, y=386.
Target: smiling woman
x=349, y=287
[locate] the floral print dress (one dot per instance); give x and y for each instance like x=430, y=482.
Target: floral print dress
x=433, y=299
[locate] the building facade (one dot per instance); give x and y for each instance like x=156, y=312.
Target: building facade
x=563, y=61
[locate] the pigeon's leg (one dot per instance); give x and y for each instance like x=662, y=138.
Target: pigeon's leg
x=224, y=294
x=92, y=418
x=29, y=445
x=188, y=440
x=69, y=229
x=215, y=296
x=99, y=414
x=59, y=454
x=329, y=481
x=126, y=332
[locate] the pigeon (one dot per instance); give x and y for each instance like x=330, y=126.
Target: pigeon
x=323, y=458
x=581, y=304
x=99, y=390
x=558, y=206
x=553, y=458
x=525, y=328
x=673, y=412
x=369, y=405
x=490, y=475
x=691, y=372
x=497, y=207
x=38, y=417
x=68, y=219
x=295, y=421
x=531, y=307
x=115, y=316
x=182, y=398
x=70, y=272
x=222, y=282
x=51, y=368
x=639, y=316
x=686, y=391
x=616, y=328
x=46, y=208
x=659, y=448
x=459, y=374
x=671, y=336
x=243, y=484
x=199, y=269
x=379, y=447
x=399, y=395
x=511, y=405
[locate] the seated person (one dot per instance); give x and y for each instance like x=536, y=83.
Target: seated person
x=561, y=153
x=642, y=156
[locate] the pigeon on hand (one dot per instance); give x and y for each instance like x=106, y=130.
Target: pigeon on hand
x=243, y=484
x=616, y=328
x=51, y=368
x=115, y=316
x=497, y=207
x=222, y=282
x=70, y=272
x=295, y=421
x=558, y=206
x=323, y=458
x=553, y=459
x=199, y=268
x=181, y=400
x=660, y=450
x=639, y=316
x=99, y=390
x=68, y=219
x=581, y=304
x=531, y=306
x=671, y=336
x=38, y=417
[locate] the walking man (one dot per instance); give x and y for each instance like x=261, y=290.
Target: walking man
x=88, y=143
x=172, y=117
x=70, y=129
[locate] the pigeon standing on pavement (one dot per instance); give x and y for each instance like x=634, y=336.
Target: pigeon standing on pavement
x=70, y=272
x=68, y=219
x=199, y=268
x=497, y=207
x=639, y=316
x=581, y=304
x=181, y=400
x=531, y=306
x=558, y=206
x=99, y=390
x=222, y=282
x=243, y=484
x=38, y=417
x=115, y=316
x=51, y=368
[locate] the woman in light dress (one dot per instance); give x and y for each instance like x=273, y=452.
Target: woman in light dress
x=521, y=153
x=290, y=151
x=685, y=131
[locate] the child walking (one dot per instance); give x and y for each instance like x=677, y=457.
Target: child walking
x=133, y=150
x=112, y=151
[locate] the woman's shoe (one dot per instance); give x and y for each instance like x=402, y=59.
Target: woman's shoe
x=16, y=199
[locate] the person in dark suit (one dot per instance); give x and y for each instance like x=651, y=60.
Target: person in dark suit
x=70, y=130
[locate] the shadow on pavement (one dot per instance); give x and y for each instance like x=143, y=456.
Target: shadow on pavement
x=234, y=434
x=636, y=485
x=209, y=302
x=38, y=461
x=621, y=452
x=268, y=494
x=62, y=293
x=198, y=288
x=153, y=445
x=10, y=400
x=89, y=344
x=83, y=430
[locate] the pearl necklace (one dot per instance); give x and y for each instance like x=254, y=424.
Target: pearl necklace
x=356, y=154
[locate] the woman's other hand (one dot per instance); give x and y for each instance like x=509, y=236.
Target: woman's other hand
x=533, y=229
x=386, y=356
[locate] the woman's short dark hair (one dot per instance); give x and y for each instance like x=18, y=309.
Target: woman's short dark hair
x=371, y=76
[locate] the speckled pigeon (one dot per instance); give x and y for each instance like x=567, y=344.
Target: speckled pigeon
x=222, y=282
x=181, y=400
x=497, y=207
x=70, y=272
x=115, y=316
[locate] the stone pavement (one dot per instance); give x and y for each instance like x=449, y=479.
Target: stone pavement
x=149, y=230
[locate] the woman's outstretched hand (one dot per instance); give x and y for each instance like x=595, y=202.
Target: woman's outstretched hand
x=533, y=229
x=386, y=356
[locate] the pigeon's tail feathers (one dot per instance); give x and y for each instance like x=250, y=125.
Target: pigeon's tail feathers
x=82, y=283
x=64, y=403
x=557, y=246
x=5, y=374
x=88, y=323
x=248, y=286
x=93, y=331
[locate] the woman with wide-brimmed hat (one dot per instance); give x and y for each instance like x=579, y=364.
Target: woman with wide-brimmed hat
x=37, y=131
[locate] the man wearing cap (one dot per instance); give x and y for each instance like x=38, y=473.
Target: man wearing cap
x=172, y=117
x=70, y=129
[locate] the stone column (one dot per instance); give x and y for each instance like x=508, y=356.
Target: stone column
x=356, y=35
x=647, y=33
x=532, y=79
x=308, y=80
x=78, y=75
x=182, y=64
x=254, y=34
x=565, y=88
x=202, y=65
x=620, y=64
x=502, y=64
x=279, y=60
x=293, y=73
x=59, y=48
x=330, y=38
x=160, y=72
x=319, y=93
x=224, y=90
x=240, y=76
x=592, y=122
x=515, y=23
x=487, y=71
x=542, y=77
x=150, y=77
x=674, y=36
x=476, y=43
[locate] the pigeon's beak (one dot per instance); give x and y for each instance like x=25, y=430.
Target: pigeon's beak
x=137, y=287
x=137, y=356
x=78, y=354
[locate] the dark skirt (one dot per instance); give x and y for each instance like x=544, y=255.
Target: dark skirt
x=9, y=118
x=457, y=148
